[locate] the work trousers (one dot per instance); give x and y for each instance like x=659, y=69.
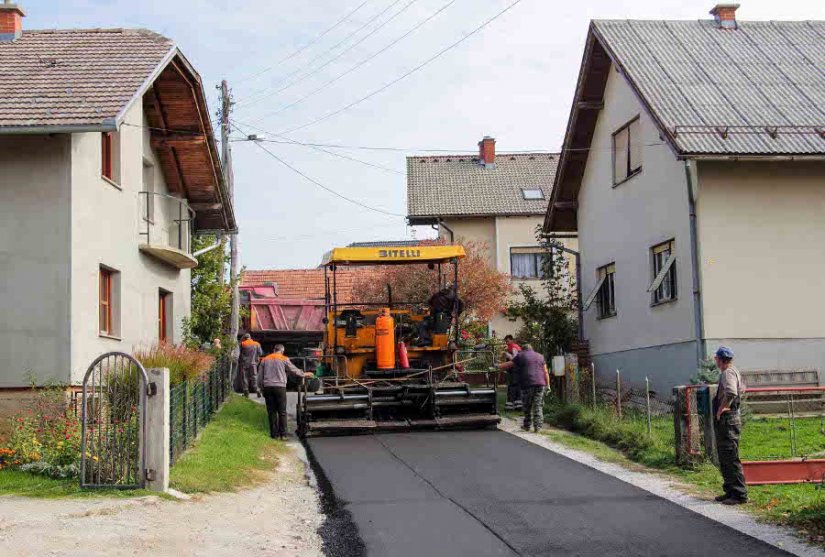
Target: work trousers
x=728, y=428
x=513, y=388
x=249, y=378
x=276, y=410
x=533, y=405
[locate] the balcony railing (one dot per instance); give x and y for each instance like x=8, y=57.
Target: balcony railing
x=166, y=228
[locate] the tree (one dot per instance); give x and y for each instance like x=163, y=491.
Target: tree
x=481, y=287
x=547, y=319
x=211, y=295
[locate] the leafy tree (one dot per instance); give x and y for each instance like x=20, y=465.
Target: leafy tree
x=547, y=315
x=211, y=296
x=481, y=287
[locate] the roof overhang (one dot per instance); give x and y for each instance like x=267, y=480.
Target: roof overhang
x=390, y=255
x=418, y=220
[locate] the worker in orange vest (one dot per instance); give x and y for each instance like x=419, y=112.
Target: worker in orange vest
x=272, y=375
x=250, y=355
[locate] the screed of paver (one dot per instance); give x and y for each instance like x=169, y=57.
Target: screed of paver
x=464, y=491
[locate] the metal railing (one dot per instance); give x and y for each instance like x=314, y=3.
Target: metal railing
x=166, y=220
x=193, y=403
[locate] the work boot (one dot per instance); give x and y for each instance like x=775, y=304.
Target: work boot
x=260, y=394
x=509, y=406
x=246, y=394
x=525, y=428
x=720, y=498
x=734, y=501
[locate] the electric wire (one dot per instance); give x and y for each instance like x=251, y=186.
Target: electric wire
x=322, y=186
x=406, y=74
x=257, y=96
x=307, y=45
x=358, y=65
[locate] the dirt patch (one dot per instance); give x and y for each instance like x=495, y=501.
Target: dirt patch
x=279, y=517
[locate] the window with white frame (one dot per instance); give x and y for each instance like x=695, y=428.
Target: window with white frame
x=528, y=263
x=627, y=151
x=532, y=193
x=663, y=270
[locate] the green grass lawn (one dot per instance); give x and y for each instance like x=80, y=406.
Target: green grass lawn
x=15, y=482
x=626, y=441
x=233, y=451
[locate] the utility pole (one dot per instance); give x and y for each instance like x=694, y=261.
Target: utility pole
x=226, y=152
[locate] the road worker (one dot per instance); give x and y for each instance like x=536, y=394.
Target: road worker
x=272, y=376
x=513, y=381
x=248, y=358
x=531, y=369
x=728, y=426
x=441, y=305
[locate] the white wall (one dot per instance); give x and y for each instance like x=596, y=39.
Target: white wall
x=34, y=259
x=106, y=222
x=620, y=224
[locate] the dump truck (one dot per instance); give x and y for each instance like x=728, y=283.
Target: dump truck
x=393, y=364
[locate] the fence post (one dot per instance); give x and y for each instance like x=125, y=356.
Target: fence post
x=619, y=393
x=593, y=381
x=157, y=431
x=647, y=400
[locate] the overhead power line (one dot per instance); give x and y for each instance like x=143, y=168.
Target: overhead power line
x=306, y=46
x=405, y=75
x=359, y=64
x=322, y=186
x=259, y=95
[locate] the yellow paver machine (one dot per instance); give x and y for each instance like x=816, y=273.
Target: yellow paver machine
x=394, y=364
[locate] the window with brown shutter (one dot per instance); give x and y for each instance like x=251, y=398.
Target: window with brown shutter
x=163, y=314
x=627, y=151
x=106, y=301
x=106, y=155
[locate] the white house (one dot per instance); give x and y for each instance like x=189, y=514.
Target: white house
x=495, y=199
x=693, y=173
x=108, y=165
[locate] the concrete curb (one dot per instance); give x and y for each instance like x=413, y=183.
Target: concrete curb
x=741, y=521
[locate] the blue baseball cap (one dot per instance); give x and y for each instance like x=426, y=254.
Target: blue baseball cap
x=724, y=352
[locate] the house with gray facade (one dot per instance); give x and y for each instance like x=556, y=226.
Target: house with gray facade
x=108, y=166
x=693, y=174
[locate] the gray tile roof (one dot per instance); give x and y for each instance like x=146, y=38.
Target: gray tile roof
x=457, y=185
x=75, y=77
x=761, y=80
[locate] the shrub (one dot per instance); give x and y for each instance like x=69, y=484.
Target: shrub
x=48, y=433
x=183, y=362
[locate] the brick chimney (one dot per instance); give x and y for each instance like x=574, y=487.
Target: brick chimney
x=487, y=152
x=11, y=21
x=725, y=15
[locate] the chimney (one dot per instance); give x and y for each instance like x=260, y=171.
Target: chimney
x=11, y=21
x=725, y=15
x=487, y=152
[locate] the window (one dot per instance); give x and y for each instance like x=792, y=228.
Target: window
x=110, y=156
x=149, y=191
x=663, y=266
x=532, y=193
x=109, y=310
x=604, y=293
x=527, y=263
x=164, y=315
x=627, y=152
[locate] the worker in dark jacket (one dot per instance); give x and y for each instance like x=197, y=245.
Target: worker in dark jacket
x=728, y=428
x=248, y=359
x=513, y=380
x=441, y=304
x=535, y=379
x=272, y=374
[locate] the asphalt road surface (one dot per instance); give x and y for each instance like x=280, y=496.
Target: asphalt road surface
x=481, y=493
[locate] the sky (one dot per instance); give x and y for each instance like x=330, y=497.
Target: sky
x=513, y=79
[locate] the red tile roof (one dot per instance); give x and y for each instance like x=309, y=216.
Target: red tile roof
x=304, y=284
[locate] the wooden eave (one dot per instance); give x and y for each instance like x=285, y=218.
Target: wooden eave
x=181, y=135
x=588, y=102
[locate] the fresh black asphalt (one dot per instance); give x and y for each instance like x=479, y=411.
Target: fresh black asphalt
x=481, y=493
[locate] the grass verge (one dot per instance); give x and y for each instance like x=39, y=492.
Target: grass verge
x=626, y=441
x=15, y=482
x=234, y=451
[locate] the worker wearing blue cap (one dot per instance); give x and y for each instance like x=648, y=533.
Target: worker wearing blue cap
x=728, y=428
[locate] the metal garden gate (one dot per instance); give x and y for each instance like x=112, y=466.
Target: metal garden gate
x=113, y=417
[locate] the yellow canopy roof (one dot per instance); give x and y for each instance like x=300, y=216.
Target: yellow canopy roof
x=389, y=255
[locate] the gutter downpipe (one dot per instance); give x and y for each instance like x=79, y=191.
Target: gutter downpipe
x=218, y=243
x=698, y=317
x=448, y=229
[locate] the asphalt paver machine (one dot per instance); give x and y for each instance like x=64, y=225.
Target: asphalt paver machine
x=393, y=364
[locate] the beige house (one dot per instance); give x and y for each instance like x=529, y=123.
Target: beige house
x=693, y=174
x=495, y=199
x=108, y=165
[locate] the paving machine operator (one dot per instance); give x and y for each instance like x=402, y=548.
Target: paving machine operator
x=438, y=321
